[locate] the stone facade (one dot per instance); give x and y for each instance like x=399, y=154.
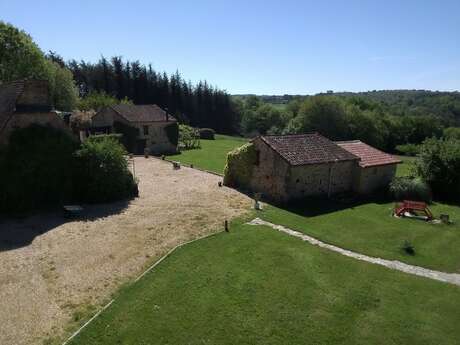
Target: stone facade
x=151, y=134
x=278, y=179
x=25, y=103
x=370, y=179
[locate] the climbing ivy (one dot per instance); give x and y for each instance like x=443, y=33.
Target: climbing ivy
x=240, y=165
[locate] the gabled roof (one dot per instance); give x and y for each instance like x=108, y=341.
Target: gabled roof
x=305, y=149
x=9, y=93
x=369, y=155
x=142, y=113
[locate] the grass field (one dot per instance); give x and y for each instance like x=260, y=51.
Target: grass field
x=213, y=153
x=369, y=228
x=258, y=286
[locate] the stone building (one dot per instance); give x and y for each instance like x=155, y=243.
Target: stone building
x=24, y=103
x=288, y=167
x=376, y=168
x=150, y=123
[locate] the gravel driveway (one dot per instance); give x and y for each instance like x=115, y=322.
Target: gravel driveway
x=50, y=267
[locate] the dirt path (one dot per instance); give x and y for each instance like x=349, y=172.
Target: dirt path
x=452, y=278
x=51, y=267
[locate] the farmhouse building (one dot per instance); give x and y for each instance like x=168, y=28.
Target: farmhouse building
x=24, y=103
x=148, y=126
x=376, y=168
x=287, y=167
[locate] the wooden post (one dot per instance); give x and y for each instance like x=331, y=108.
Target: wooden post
x=226, y=226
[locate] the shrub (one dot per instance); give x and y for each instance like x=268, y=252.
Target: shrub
x=189, y=138
x=406, y=188
x=240, y=165
x=438, y=165
x=102, y=172
x=36, y=169
x=207, y=133
x=408, y=149
x=172, y=132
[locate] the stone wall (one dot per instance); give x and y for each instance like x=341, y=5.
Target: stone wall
x=269, y=175
x=320, y=179
x=35, y=96
x=105, y=118
x=23, y=120
x=370, y=179
x=157, y=140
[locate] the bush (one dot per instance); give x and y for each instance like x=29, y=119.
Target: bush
x=406, y=188
x=36, y=169
x=408, y=149
x=172, y=132
x=189, y=138
x=102, y=172
x=439, y=165
x=240, y=165
x=207, y=133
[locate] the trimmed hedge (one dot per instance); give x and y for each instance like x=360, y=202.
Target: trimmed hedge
x=102, y=173
x=207, y=133
x=240, y=164
x=43, y=167
x=36, y=169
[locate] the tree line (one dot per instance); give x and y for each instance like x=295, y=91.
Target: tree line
x=200, y=104
x=344, y=118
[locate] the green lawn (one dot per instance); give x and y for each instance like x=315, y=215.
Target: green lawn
x=370, y=228
x=213, y=153
x=255, y=285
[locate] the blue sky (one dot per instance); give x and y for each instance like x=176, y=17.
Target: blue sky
x=263, y=47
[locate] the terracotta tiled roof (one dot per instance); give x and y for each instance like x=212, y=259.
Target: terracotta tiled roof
x=9, y=94
x=142, y=113
x=305, y=149
x=369, y=155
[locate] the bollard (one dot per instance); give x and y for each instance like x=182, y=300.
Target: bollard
x=219, y=183
x=191, y=166
x=226, y=226
x=146, y=153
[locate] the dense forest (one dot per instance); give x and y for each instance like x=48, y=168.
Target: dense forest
x=200, y=105
x=385, y=119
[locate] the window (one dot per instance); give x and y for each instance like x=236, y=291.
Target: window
x=146, y=130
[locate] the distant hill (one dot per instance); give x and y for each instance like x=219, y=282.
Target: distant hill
x=396, y=102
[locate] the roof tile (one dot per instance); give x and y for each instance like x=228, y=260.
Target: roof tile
x=142, y=113
x=369, y=155
x=305, y=149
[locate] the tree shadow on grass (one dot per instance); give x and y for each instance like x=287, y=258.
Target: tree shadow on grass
x=19, y=232
x=312, y=207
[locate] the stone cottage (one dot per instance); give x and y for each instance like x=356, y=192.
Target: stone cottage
x=23, y=103
x=375, y=169
x=288, y=167
x=149, y=123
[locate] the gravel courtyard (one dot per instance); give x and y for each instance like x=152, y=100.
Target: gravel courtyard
x=51, y=267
